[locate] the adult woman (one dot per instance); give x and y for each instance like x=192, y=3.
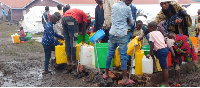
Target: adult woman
x=169, y=11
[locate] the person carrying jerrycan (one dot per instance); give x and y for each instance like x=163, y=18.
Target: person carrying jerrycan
x=48, y=40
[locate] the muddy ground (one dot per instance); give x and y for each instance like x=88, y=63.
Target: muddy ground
x=21, y=65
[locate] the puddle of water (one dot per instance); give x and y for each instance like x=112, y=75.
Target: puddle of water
x=11, y=62
x=1, y=74
x=8, y=83
x=38, y=39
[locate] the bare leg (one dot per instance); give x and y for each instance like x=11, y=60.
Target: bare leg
x=154, y=64
x=125, y=78
x=166, y=76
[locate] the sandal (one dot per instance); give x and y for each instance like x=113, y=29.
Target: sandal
x=45, y=72
x=105, y=77
x=177, y=85
x=162, y=85
x=129, y=82
x=155, y=71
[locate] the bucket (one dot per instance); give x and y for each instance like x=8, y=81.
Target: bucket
x=97, y=36
x=80, y=38
x=102, y=51
x=146, y=49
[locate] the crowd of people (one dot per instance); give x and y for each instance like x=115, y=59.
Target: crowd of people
x=169, y=32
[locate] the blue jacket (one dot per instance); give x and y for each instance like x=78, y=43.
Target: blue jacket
x=49, y=34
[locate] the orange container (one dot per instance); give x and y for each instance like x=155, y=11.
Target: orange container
x=169, y=60
x=194, y=41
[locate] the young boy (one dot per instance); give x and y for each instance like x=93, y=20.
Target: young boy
x=22, y=34
x=161, y=50
x=48, y=40
x=138, y=31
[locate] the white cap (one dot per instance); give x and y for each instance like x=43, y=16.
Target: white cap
x=167, y=1
x=164, y=1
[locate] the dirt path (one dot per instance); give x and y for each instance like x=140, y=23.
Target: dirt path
x=22, y=64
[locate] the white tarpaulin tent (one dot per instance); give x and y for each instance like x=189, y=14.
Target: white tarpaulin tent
x=33, y=19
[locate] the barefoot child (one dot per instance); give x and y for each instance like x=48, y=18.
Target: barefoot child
x=161, y=51
x=48, y=40
x=184, y=52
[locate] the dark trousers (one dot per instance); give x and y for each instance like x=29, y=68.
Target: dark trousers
x=47, y=51
x=70, y=30
x=105, y=38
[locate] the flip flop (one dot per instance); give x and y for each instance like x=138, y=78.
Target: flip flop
x=177, y=85
x=155, y=71
x=105, y=77
x=129, y=82
x=162, y=85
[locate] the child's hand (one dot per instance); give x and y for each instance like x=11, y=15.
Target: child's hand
x=148, y=55
x=140, y=38
x=61, y=43
x=63, y=38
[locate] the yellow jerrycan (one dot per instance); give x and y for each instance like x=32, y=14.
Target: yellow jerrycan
x=131, y=45
x=116, y=59
x=60, y=54
x=138, y=62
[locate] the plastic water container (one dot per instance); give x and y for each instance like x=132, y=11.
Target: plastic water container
x=169, y=60
x=12, y=38
x=116, y=59
x=158, y=64
x=60, y=54
x=78, y=50
x=28, y=36
x=131, y=45
x=147, y=65
x=102, y=51
x=80, y=38
x=86, y=55
x=133, y=69
x=138, y=62
x=146, y=49
x=194, y=41
x=15, y=38
x=91, y=34
x=97, y=36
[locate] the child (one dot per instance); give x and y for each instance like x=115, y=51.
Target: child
x=48, y=40
x=184, y=52
x=22, y=34
x=138, y=31
x=161, y=51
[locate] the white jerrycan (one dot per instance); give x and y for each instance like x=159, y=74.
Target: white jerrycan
x=147, y=65
x=133, y=69
x=86, y=54
x=12, y=38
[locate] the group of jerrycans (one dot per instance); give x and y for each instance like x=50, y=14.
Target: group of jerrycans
x=86, y=52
